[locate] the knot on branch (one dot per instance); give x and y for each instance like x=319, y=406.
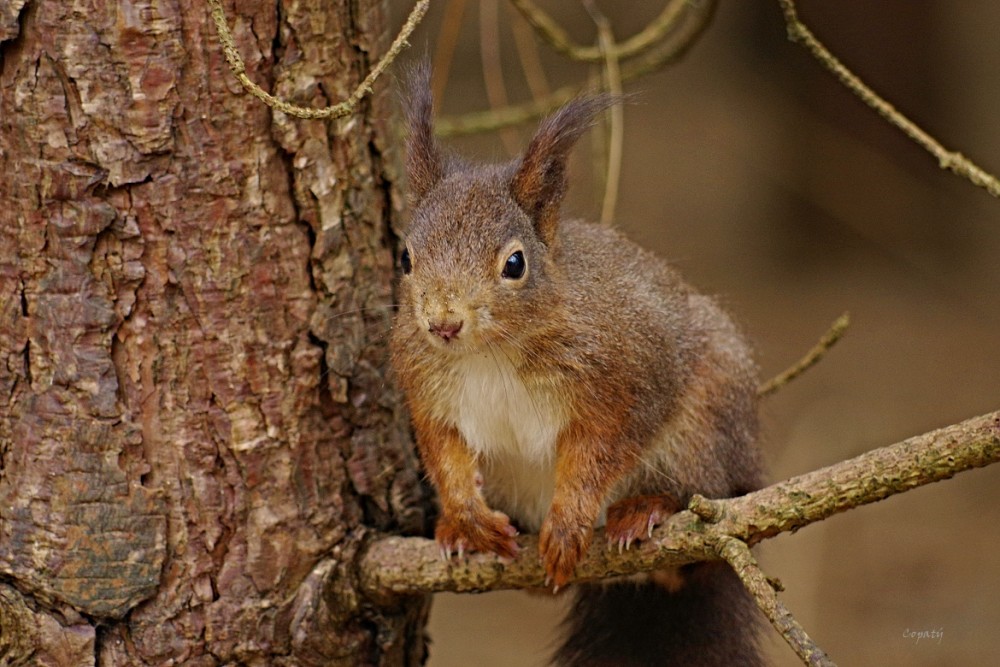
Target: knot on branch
x=710, y=511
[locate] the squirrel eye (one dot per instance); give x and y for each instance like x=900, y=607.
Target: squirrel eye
x=404, y=261
x=514, y=268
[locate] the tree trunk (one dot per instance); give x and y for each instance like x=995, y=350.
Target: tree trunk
x=196, y=433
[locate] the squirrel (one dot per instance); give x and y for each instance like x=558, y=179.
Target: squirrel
x=559, y=377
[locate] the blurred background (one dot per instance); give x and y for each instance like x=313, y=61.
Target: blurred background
x=770, y=185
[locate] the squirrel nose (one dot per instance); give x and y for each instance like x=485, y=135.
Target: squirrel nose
x=446, y=330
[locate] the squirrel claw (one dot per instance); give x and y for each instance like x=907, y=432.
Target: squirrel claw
x=562, y=543
x=450, y=549
x=488, y=532
x=634, y=519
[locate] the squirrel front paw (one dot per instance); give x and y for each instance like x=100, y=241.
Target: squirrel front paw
x=632, y=519
x=562, y=543
x=485, y=531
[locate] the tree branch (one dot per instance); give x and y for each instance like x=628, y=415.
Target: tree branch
x=558, y=39
x=394, y=566
x=616, y=115
x=951, y=160
x=738, y=555
x=444, y=49
x=338, y=110
x=669, y=50
x=711, y=530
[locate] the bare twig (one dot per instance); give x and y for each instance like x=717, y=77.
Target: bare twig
x=811, y=358
x=339, y=110
x=613, y=83
x=527, y=52
x=444, y=50
x=870, y=477
x=494, y=119
x=670, y=50
x=554, y=35
x=410, y=565
x=738, y=555
x=489, y=55
x=951, y=160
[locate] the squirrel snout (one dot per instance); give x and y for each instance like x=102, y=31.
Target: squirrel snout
x=445, y=329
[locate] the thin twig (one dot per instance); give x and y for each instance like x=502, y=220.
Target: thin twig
x=674, y=47
x=489, y=56
x=613, y=83
x=527, y=52
x=738, y=555
x=444, y=49
x=811, y=358
x=339, y=110
x=555, y=36
x=494, y=119
x=951, y=160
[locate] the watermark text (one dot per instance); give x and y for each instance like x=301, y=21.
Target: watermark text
x=931, y=635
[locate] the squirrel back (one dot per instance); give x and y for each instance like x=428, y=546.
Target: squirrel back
x=560, y=377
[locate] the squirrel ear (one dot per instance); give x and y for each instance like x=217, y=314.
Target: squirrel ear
x=539, y=183
x=424, y=164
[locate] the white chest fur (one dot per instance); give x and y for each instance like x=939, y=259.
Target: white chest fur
x=512, y=426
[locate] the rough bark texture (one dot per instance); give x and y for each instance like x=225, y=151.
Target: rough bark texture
x=193, y=306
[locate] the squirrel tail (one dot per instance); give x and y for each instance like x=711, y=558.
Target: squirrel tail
x=708, y=620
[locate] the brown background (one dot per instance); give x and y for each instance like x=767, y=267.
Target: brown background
x=770, y=185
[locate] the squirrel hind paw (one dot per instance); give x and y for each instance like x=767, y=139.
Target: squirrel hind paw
x=633, y=519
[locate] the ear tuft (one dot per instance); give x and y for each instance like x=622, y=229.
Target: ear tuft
x=539, y=184
x=424, y=164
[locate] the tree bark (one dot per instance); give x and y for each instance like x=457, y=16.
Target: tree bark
x=195, y=426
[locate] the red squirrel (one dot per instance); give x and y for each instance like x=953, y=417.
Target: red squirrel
x=560, y=378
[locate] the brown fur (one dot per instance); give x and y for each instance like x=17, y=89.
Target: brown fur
x=595, y=377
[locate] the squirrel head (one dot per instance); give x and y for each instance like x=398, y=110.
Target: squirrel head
x=481, y=259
